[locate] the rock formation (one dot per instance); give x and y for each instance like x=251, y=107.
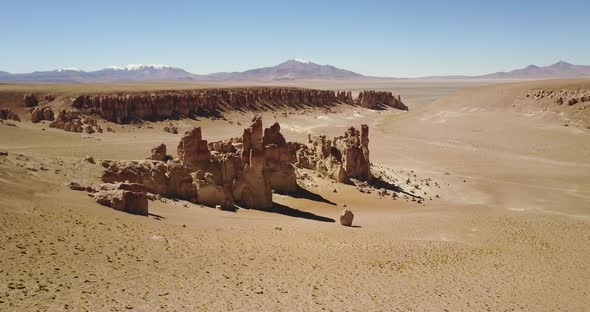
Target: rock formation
x=74, y=121
x=30, y=100
x=7, y=114
x=182, y=103
x=170, y=179
x=354, y=151
x=210, y=193
x=243, y=170
x=171, y=129
x=378, y=99
x=127, y=197
x=571, y=104
x=76, y=186
x=341, y=159
x=571, y=97
x=192, y=150
x=159, y=153
x=42, y=113
x=346, y=218
x=278, y=161
x=253, y=188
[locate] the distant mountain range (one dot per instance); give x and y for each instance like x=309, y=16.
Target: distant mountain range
x=289, y=70
x=294, y=69
x=133, y=72
x=560, y=69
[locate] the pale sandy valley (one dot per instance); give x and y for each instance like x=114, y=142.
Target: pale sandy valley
x=487, y=207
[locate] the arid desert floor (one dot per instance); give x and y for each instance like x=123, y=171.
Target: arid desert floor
x=504, y=224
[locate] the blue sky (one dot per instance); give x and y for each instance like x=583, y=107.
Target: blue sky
x=381, y=38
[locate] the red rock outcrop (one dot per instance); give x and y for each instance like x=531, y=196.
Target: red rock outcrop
x=354, y=151
x=42, y=113
x=159, y=153
x=210, y=193
x=75, y=121
x=571, y=104
x=172, y=104
x=30, y=100
x=278, y=161
x=7, y=114
x=192, y=150
x=378, y=99
x=253, y=188
x=243, y=170
x=341, y=159
x=571, y=97
x=127, y=197
x=169, y=179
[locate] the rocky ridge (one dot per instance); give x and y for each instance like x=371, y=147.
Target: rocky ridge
x=127, y=108
x=574, y=104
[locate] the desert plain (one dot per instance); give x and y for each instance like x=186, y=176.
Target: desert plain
x=491, y=209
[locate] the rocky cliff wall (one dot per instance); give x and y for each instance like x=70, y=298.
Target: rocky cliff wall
x=164, y=105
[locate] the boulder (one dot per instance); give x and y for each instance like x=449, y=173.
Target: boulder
x=127, y=197
x=69, y=121
x=42, y=113
x=76, y=186
x=30, y=100
x=159, y=153
x=346, y=218
x=7, y=114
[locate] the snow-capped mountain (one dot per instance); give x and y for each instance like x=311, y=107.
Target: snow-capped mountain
x=67, y=69
x=142, y=72
x=289, y=70
x=140, y=67
x=131, y=72
x=294, y=69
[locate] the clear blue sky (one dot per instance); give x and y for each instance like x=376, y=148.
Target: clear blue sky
x=382, y=38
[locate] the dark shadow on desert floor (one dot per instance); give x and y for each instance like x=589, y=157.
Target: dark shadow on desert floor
x=380, y=183
x=306, y=194
x=156, y=216
x=292, y=212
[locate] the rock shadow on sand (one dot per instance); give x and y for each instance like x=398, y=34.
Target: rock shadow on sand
x=156, y=216
x=307, y=194
x=379, y=183
x=292, y=212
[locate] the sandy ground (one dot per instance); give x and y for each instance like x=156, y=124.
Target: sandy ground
x=507, y=227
